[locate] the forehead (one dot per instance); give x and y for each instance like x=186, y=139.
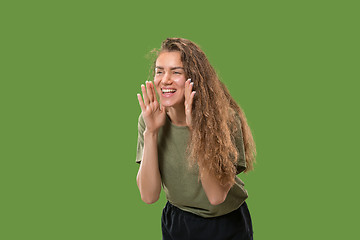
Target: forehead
x=169, y=60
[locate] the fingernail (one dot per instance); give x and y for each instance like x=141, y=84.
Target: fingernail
x=190, y=79
x=192, y=84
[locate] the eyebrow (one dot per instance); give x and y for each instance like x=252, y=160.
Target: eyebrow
x=173, y=68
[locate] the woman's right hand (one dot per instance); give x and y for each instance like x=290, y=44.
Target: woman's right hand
x=153, y=115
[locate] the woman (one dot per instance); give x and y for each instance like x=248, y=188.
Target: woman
x=193, y=144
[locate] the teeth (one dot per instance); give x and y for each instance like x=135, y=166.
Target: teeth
x=168, y=90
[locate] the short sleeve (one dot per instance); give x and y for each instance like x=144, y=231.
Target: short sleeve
x=140, y=141
x=239, y=141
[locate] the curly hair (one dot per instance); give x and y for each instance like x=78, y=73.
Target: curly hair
x=211, y=141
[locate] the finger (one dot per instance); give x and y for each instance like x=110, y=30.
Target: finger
x=141, y=103
x=149, y=91
x=188, y=87
x=162, y=109
x=191, y=99
x=190, y=90
x=146, y=98
x=154, y=91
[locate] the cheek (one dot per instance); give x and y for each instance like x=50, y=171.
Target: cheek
x=180, y=82
x=158, y=90
x=156, y=83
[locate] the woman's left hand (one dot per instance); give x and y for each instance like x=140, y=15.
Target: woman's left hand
x=189, y=97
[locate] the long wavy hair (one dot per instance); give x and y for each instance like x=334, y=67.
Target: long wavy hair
x=211, y=141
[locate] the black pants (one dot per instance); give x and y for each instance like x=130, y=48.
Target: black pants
x=178, y=224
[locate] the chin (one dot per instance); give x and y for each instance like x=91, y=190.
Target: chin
x=168, y=103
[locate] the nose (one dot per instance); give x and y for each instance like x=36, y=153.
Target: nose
x=167, y=78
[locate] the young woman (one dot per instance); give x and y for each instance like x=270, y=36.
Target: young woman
x=193, y=144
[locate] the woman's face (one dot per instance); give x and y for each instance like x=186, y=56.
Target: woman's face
x=170, y=79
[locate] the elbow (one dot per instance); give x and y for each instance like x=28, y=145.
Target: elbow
x=148, y=196
x=216, y=200
x=149, y=199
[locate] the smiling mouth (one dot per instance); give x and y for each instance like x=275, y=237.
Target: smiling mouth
x=169, y=90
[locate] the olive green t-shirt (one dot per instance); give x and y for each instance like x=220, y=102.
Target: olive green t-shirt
x=180, y=182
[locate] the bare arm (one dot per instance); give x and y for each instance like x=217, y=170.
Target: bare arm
x=215, y=192
x=148, y=178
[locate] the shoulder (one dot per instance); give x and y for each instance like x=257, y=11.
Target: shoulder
x=141, y=119
x=235, y=117
x=141, y=123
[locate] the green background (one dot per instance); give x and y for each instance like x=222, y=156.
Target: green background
x=70, y=72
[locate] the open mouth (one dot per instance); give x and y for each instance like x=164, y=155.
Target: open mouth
x=168, y=91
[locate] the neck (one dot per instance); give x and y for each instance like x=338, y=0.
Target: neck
x=177, y=115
